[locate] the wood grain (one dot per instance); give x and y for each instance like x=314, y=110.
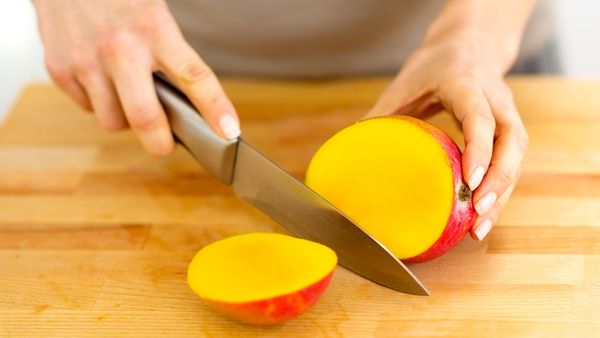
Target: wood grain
x=95, y=236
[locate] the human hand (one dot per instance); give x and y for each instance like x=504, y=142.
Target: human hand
x=460, y=73
x=103, y=54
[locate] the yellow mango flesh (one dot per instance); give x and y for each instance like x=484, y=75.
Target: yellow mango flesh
x=258, y=266
x=390, y=176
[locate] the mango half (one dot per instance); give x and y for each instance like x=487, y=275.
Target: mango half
x=401, y=180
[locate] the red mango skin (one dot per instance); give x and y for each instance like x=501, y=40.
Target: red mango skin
x=275, y=310
x=463, y=214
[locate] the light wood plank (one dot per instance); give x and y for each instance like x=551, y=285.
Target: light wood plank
x=96, y=236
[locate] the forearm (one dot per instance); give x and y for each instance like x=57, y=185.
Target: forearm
x=497, y=25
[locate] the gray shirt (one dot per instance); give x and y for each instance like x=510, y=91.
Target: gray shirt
x=315, y=38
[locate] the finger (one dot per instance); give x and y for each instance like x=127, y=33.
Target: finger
x=66, y=80
x=471, y=108
x=135, y=87
x=183, y=66
x=484, y=223
x=105, y=102
x=509, y=150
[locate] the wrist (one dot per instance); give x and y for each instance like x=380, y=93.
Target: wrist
x=491, y=27
x=499, y=50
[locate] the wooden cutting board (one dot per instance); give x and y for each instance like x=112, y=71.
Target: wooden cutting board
x=95, y=236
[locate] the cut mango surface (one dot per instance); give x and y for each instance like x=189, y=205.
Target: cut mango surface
x=258, y=266
x=392, y=177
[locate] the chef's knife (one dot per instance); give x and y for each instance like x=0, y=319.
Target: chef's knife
x=278, y=194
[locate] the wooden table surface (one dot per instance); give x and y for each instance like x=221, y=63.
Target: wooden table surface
x=95, y=236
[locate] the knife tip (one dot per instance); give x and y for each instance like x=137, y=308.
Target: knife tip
x=418, y=289
x=415, y=287
x=423, y=292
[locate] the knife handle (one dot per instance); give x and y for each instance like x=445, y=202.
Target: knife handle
x=215, y=153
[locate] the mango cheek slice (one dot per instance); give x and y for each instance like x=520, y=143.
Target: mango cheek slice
x=261, y=278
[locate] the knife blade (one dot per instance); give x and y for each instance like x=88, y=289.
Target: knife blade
x=269, y=188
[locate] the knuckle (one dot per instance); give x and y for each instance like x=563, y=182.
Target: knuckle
x=522, y=141
x=517, y=135
x=114, y=44
x=484, y=148
x=463, y=61
x=494, y=213
x=517, y=177
x=143, y=118
x=455, y=85
x=85, y=67
x=464, y=94
x=505, y=178
x=485, y=118
x=194, y=72
x=155, y=19
x=480, y=118
x=463, y=84
x=60, y=73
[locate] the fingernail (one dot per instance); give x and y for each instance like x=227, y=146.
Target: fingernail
x=229, y=127
x=483, y=228
x=476, y=178
x=485, y=203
